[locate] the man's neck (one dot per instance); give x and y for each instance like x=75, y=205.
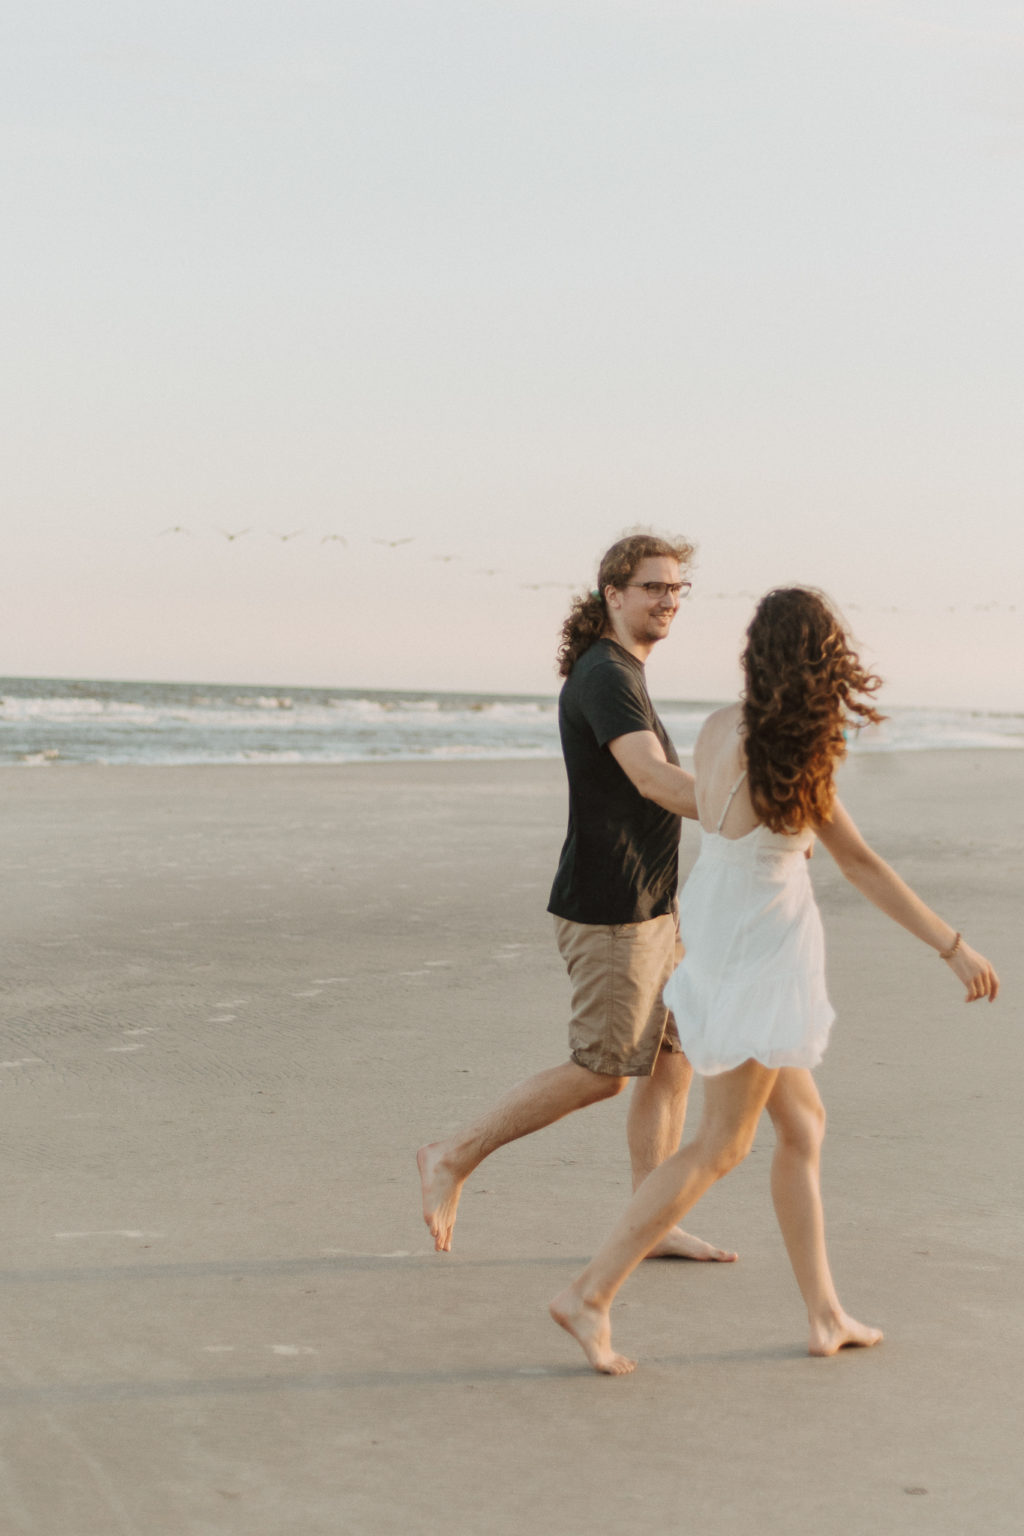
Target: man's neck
x=641, y=649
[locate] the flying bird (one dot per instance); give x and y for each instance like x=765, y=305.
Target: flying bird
x=394, y=543
x=232, y=536
x=334, y=538
x=284, y=537
x=176, y=529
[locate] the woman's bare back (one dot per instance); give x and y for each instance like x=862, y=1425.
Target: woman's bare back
x=718, y=761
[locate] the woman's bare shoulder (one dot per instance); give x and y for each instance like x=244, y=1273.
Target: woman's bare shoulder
x=720, y=728
x=723, y=722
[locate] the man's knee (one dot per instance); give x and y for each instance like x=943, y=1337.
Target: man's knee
x=601, y=1085
x=673, y=1070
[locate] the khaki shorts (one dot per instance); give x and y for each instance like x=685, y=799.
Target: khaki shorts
x=619, y=1022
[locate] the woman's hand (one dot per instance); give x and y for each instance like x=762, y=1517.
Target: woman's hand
x=975, y=972
x=874, y=879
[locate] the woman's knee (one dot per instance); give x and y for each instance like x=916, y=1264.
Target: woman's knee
x=802, y=1130
x=722, y=1153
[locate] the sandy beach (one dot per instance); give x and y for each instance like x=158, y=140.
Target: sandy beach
x=235, y=1000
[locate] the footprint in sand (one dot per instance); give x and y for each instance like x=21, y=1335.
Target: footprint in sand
x=117, y=1232
x=346, y=1253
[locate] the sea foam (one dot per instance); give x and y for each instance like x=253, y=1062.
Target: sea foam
x=48, y=721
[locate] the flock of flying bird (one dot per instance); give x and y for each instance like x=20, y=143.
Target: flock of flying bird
x=338, y=538
x=328, y=538
x=569, y=586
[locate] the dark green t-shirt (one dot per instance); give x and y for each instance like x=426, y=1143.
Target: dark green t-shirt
x=620, y=859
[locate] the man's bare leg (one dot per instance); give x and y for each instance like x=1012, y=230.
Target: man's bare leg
x=732, y=1108
x=799, y=1119
x=446, y=1165
x=654, y=1128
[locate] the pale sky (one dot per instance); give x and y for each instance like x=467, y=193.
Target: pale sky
x=503, y=278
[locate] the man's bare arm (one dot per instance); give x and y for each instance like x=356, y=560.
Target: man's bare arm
x=642, y=758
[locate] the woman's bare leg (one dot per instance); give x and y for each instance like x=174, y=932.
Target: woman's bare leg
x=654, y=1128
x=799, y=1118
x=732, y=1107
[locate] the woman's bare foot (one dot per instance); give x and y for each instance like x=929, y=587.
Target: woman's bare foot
x=840, y=1331
x=441, y=1191
x=678, y=1244
x=591, y=1328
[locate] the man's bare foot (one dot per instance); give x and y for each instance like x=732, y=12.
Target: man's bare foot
x=441, y=1191
x=841, y=1331
x=591, y=1329
x=678, y=1244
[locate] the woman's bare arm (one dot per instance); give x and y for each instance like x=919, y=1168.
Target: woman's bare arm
x=880, y=883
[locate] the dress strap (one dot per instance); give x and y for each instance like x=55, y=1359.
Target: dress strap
x=725, y=808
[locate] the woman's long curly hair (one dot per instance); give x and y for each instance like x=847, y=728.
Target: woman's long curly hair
x=588, y=617
x=804, y=682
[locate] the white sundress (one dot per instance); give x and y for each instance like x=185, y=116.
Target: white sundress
x=752, y=984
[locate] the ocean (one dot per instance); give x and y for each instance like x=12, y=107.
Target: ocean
x=51, y=721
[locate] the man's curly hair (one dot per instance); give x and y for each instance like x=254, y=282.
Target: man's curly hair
x=804, y=682
x=587, y=620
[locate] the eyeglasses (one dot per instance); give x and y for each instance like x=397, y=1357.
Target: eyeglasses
x=656, y=590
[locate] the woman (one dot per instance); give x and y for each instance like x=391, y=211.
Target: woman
x=749, y=999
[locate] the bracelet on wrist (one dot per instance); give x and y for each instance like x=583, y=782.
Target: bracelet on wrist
x=947, y=954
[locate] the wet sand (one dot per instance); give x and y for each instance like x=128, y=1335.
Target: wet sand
x=236, y=1000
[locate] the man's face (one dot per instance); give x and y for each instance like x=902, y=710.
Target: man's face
x=644, y=618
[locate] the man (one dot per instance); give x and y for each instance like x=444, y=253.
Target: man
x=614, y=895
